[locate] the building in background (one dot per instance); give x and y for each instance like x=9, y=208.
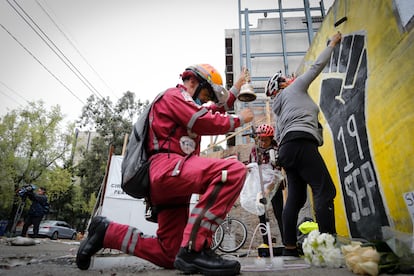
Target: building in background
x=82, y=144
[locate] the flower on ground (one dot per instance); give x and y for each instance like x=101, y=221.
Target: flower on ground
x=321, y=250
x=361, y=260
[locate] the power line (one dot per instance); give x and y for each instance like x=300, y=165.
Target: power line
x=47, y=69
x=10, y=97
x=14, y=91
x=76, y=49
x=78, y=74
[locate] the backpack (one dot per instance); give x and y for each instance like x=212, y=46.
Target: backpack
x=135, y=164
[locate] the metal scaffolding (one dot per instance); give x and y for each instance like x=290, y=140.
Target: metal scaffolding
x=246, y=34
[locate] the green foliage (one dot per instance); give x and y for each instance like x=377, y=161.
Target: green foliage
x=112, y=123
x=35, y=149
x=92, y=167
x=80, y=207
x=58, y=183
x=31, y=145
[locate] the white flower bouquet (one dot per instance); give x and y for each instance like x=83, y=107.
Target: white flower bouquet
x=391, y=255
x=320, y=249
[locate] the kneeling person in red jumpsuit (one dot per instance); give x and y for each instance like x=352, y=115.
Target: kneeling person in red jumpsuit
x=178, y=120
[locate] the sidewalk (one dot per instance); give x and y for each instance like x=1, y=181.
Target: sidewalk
x=250, y=266
x=52, y=258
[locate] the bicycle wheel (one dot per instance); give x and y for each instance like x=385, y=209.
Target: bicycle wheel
x=217, y=238
x=234, y=235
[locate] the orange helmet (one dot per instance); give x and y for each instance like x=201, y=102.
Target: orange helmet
x=206, y=72
x=265, y=130
x=209, y=74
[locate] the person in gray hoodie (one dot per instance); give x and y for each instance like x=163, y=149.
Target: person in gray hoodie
x=299, y=135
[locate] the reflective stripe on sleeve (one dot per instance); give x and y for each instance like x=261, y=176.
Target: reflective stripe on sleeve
x=196, y=115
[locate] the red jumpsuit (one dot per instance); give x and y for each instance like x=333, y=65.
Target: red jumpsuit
x=176, y=174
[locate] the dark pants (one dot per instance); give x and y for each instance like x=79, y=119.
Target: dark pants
x=277, y=205
x=29, y=221
x=304, y=165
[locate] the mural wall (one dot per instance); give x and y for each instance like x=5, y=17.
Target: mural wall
x=366, y=97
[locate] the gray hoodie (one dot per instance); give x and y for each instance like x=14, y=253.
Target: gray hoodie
x=294, y=109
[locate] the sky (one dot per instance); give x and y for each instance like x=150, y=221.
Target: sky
x=75, y=48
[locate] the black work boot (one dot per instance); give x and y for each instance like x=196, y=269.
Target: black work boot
x=205, y=262
x=93, y=242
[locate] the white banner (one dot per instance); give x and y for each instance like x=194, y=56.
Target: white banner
x=122, y=208
x=113, y=185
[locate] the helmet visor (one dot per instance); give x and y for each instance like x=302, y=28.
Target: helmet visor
x=220, y=93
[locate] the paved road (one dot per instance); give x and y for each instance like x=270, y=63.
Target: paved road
x=48, y=257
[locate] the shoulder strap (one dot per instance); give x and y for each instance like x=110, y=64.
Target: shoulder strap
x=157, y=147
x=151, y=119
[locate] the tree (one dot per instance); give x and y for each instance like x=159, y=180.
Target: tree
x=112, y=123
x=92, y=167
x=31, y=144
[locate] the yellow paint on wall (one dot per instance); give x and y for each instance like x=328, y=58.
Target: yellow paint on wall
x=389, y=103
